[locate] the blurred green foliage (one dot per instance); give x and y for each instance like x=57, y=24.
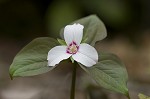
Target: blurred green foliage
x=142, y=96
x=59, y=14
x=115, y=13
x=32, y=18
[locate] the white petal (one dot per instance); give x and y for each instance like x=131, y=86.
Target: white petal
x=73, y=33
x=57, y=54
x=89, y=51
x=87, y=55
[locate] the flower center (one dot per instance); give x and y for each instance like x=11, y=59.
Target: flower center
x=72, y=48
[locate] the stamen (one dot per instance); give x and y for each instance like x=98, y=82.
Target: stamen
x=72, y=48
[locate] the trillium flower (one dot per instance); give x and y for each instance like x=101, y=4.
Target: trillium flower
x=80, y=52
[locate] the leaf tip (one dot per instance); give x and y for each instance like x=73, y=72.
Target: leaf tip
x=11, y=72
x=11, y=76
x=126, y=93
x=128, y=96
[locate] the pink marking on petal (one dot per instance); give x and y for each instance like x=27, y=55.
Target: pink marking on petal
x=74, y=43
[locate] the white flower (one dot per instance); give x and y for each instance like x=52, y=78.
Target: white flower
x=82, y=53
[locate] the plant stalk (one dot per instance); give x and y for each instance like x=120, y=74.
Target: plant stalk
x=72, y=93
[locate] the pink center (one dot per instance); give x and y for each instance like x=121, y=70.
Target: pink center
x=72, y=48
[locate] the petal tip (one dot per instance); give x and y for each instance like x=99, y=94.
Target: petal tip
x=79, y=25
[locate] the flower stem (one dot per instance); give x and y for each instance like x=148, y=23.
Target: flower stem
x=72, y=93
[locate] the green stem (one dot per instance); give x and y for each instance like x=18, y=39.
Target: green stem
x=72, y=93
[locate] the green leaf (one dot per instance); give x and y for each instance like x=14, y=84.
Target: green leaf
x=142, y=96
x=94, y=29
x=62, y=42
x=109, y=73
x=84, y=40
x=32, y=59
